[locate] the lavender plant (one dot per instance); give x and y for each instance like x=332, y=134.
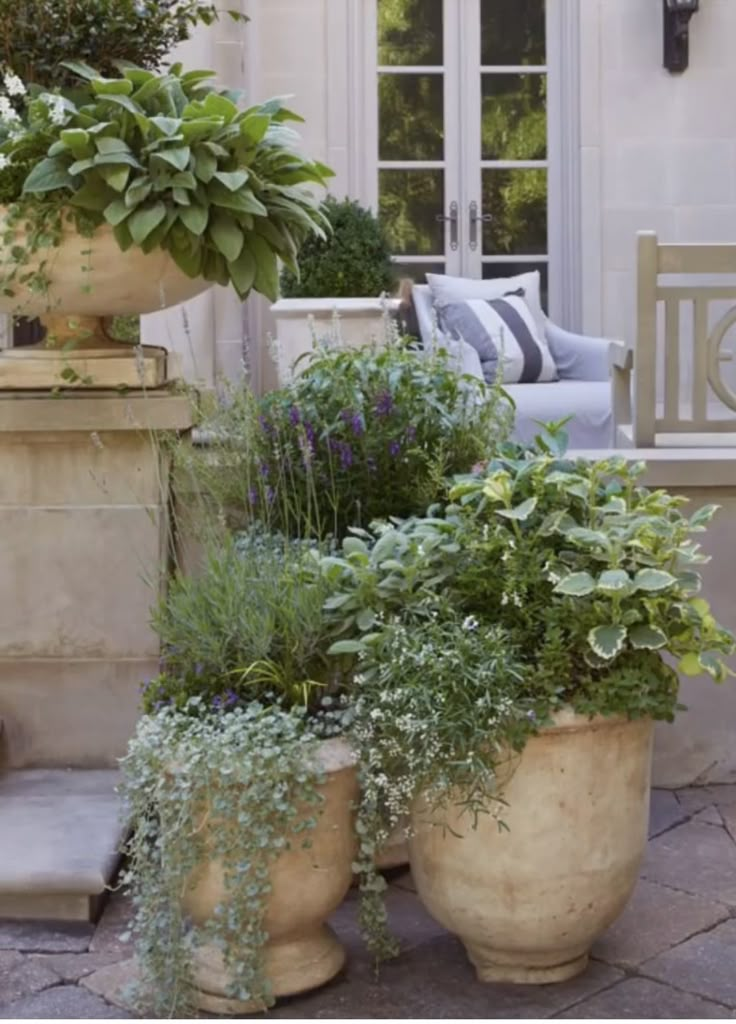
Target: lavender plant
x=359, y=434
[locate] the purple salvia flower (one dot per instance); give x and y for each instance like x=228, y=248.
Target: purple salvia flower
x=252, y=495
x=231, y=698
x=384, y=404
x=263, y=469
x=294, y=416
x=270, y=494
x=411, y=432
x=394, y=448
x=346, y=456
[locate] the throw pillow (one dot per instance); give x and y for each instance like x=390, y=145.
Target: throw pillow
x=505, y=336
x=446, y=288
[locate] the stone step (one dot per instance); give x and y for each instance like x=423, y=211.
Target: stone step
x=60, y=835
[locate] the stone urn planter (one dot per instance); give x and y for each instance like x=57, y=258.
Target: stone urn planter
x=528, y=903
x=90, y=280
x=302, y=952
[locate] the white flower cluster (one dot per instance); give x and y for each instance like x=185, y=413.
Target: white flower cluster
x=13, y=85
x=7, y=113
x=55, y=106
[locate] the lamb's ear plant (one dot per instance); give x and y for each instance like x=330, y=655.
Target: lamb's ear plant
x=222, y=766
x=167, y=162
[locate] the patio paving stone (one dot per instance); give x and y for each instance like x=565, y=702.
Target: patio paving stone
x=638, y=997
x=41, y=937
x=665, y=811
x=20, y=976
x=73, y=966
x=64, y=1001
x=656, y=919
x=697, y=858
x=704, y=965
x=694, y=798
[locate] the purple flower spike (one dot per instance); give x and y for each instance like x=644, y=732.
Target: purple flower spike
x=384, y=404
x=263, y=469
x=217, y=702
x=198, y=668
x=294, y=416
x=231, y=698
x=346, y=456
x=252, y=495
x=270, y=495
x=411, y=432
x=394, y=448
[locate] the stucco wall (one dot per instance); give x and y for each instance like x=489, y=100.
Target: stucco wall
x=658, y=150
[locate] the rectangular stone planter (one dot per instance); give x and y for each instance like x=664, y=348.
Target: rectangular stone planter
x=350, y=322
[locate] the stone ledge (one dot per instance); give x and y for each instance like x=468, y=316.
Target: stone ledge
x=33, y=412
x=61, y=832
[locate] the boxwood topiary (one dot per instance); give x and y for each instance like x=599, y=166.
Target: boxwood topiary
x=354, y=260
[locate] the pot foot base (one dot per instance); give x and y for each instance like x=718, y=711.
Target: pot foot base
x=523, y=974
x=113, y=366
x=292, y=967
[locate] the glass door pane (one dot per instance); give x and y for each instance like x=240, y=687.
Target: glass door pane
x=505, y=156
x=413, y=136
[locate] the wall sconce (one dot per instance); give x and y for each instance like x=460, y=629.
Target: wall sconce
x=677, y=15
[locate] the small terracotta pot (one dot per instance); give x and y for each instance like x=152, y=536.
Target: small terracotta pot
x=529, y=902
x=307, y=885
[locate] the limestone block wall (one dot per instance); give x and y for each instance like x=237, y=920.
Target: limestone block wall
x=658, y=150
x=84, y=540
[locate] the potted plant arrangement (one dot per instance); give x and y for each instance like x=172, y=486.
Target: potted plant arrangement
x=505, y=698
x=240, y=786
x=339, y=294
x=127, y=192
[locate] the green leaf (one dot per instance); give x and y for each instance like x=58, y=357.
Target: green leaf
x=346, y=647
x=652, y=580
x=613, y=581
x=205, y=164
x=243, y=272
x=649, y=638
x=181, y=196
x=178, y=157
x=81, y=69
x=232, y=180
x=48, y=175
x=122, y=101
x=607, y=641
x=254, y=127
x=577, y=584
x=167, y=125
x=143, y=220
x=690, y=665
x=194, y=218
x=116, y=176
x=109, y=144
x=242, y=201
x=116, y=212
x=138, y=191
x=267, y=271
x=76, y=139
x=111, y=86
x=226, y=235
x=365, y=619
x=219, y=106
x=184, y=179
x=591, y=538
x=93, y=195
x=354, y=544
x=521, y=512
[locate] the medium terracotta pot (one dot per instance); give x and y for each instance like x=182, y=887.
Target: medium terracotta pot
x=528, y=903
x=119, y=283
x=307, y=885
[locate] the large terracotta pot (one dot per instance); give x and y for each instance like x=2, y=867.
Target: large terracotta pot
x=528, y=903
x=307, y=885
x=116, y=283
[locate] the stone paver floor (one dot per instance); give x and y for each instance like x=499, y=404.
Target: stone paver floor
x=672, y=954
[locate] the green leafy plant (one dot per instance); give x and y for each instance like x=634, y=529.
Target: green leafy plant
x=231, y=724
x=361, y=433
x=573, y=583
x=38, y=36
x=353, y=259
x=167, y=161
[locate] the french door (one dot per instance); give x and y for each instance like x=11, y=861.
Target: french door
x=462, y=135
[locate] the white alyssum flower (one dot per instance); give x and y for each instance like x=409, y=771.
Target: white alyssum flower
x=6, y=111
x=4, y=161
x=470, y=623
x=13, y=85
x=55, y=107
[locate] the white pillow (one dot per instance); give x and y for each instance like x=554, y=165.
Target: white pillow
x=504, y=334
x=446, y=289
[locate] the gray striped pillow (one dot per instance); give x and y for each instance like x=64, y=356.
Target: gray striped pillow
x=505, y=335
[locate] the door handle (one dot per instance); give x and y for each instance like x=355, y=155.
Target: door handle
x=452, y=219
x=475, y=219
